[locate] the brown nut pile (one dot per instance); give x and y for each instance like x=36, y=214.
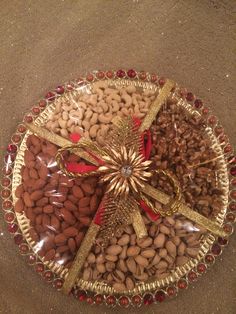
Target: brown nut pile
x=59, y=209
x=180, y=146
x=171, y=242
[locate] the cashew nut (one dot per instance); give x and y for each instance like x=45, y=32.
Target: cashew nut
x=136, y=109
x=99, y=92
x=105, y=118
x=64, y=132
x=109, y=91
x=115, y=106
x=79, y=130
x=100, y=84
x=70, y=122
x=94, y=119
x=104, y=130
x=92, y=100
x=93, y=130
x=81, y=104
x=86, y=125
x=65, y=115
x=71, y=129
x=62, y=123
x=86, y=134
x=100, y=138
x=104, y=106
x=67, y=107
x=140, y=115
x=88, y=114
x=134, y=99
x=58, y=107
x=131, y=89
x=113, y=96
x=128, y=100
x=77, y=114
x=125, y=111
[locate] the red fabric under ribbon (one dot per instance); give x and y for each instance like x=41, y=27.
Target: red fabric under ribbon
x=145, y=139
x=153, y=216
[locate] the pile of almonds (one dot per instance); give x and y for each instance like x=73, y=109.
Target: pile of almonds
x=61, y=209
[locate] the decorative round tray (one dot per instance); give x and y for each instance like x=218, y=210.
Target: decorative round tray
x=155, y=290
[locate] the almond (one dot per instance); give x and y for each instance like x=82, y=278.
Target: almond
x=19, y=190
x=79, y=238
x=60, y=239
x=62, y=249
x=49, y=255
x=72, y=245
x=19, y=206
x=36, y=195
x=84, y=202
x=84, y=211
x=42, y=202
x=55, y=223
x=77, y=192
x=87, y=188
x=43, y=172
x=70, y=232
x=67, y=216
x=33, y=234
x=33, y=173
x=27, y=200
x=70, y=206
x=86, y=221
x=48, y=209
x=94, y=203
x=40, y=183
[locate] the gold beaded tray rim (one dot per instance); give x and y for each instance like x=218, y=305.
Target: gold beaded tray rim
x=101, y=287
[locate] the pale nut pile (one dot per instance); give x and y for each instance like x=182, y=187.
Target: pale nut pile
x=127, y=261
x=91, y=115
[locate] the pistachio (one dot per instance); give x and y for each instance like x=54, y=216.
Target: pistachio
x=148, y=253
x=133, y=250
x=159, y=240
x=139, y=259
x=131, y=264
x=114, y=249
x=124, y=240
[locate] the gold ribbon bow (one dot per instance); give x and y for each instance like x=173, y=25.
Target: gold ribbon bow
x=125, y=174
